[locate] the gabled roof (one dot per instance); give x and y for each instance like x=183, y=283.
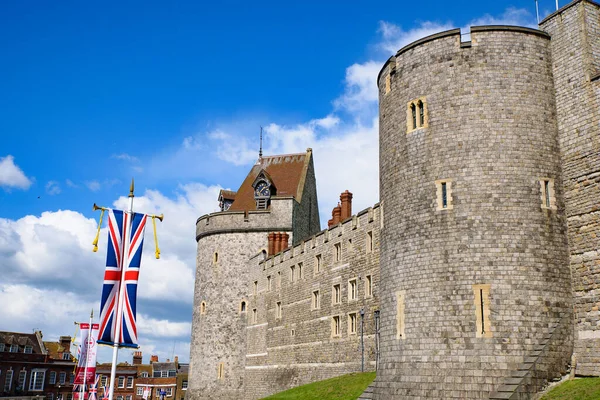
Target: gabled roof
x=226, y=195
x=55, y=351
x=287, y=172
x=22, y=340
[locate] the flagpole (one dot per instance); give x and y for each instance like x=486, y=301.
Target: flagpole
x=86, y=348
x=125, y=253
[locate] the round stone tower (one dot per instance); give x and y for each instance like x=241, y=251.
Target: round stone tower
x=474, y=257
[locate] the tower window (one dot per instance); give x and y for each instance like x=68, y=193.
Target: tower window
x=215, y=257
x=300, y=276
x=416, y=115
x=336, y=294
x=388, y=83
x=269, y=283
x=254, y=316
x=292, y=273
x=255, y=288
x=221, y=371
x=548, y=197
x=336, y=328
x=368, y=286
x=482, y=310
x=203, y=308
x=352, y=289
x=278, y=310
x=243, y=306
x=369, y=242
x=317, y=264
x=444, y=194
x=400, y=314
x=316, y=300
x=352, y=324
x=338, y=251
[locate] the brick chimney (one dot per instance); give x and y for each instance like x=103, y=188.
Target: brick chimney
x=137, y=358
x=271, y=247
x=176, y=361
x=277, y=247
x=346, y=199
x=65, y=342
x=337, y=213
x=285, y=237
x=153, y=358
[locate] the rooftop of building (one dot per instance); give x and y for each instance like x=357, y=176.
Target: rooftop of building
x=22, y=340
x=287, y=173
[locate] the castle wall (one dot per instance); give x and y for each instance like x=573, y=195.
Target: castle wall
x=299, y=347
x=575, y=32
x=306, y=211
x=490, y=133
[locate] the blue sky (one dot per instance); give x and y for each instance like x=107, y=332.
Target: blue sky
x=173, y=95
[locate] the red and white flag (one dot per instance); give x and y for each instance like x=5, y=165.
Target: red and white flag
x=86, y=365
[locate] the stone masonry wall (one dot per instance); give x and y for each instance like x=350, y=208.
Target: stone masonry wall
x=491, y=134
x=306, y=212
x=299, y=348
x=575, y=31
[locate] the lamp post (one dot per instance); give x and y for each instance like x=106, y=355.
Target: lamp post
x=362, y=340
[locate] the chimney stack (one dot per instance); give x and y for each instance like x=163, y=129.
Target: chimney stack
x=271, y=250
x=153, y=358
x=137, y=358
x=284, y=241
x=346, y=199
x=337, y=213
x=277, y=246
x=176, y=361
x=65, y=342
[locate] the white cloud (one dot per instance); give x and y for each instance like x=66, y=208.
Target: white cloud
x=11, y=176
x=94, y=185
x=70, y=183
x=52, y=188
x=50, y=258
x=511, y=16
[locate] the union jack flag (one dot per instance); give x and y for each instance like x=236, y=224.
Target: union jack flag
x=125, y=240
x=94, y=389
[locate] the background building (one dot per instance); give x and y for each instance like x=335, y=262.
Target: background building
x=33, y=368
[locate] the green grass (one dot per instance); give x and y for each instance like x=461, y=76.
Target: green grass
x=345, y=387
x=576, y=389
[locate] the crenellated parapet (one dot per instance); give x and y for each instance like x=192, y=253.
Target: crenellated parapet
x=277, y=217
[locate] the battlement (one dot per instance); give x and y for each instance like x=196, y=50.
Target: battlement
x=276, y=218
x=476, y=32
x=361, y=219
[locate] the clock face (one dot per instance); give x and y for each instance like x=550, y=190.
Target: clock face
x=262, y=190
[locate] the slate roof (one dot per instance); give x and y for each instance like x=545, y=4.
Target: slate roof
x=55, y=351
x=22, y=340
x=287, y=173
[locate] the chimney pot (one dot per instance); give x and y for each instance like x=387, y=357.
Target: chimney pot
x=271, y=247
x=337, y=213
x=346, y=210
x=285, y=237
x=277, y=246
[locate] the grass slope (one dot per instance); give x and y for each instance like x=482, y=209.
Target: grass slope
x=576, y=389
x=345, y=387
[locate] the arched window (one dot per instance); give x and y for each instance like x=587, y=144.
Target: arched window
x=413, y=111
x=421, y=113
x=243, y=306
x=216, y=257
x=203, y=307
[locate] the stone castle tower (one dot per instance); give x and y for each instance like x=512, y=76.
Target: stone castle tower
x=480, y=279
x=490, y=170
x=279, y=194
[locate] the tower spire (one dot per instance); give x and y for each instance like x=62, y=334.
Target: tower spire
x=260, y=149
